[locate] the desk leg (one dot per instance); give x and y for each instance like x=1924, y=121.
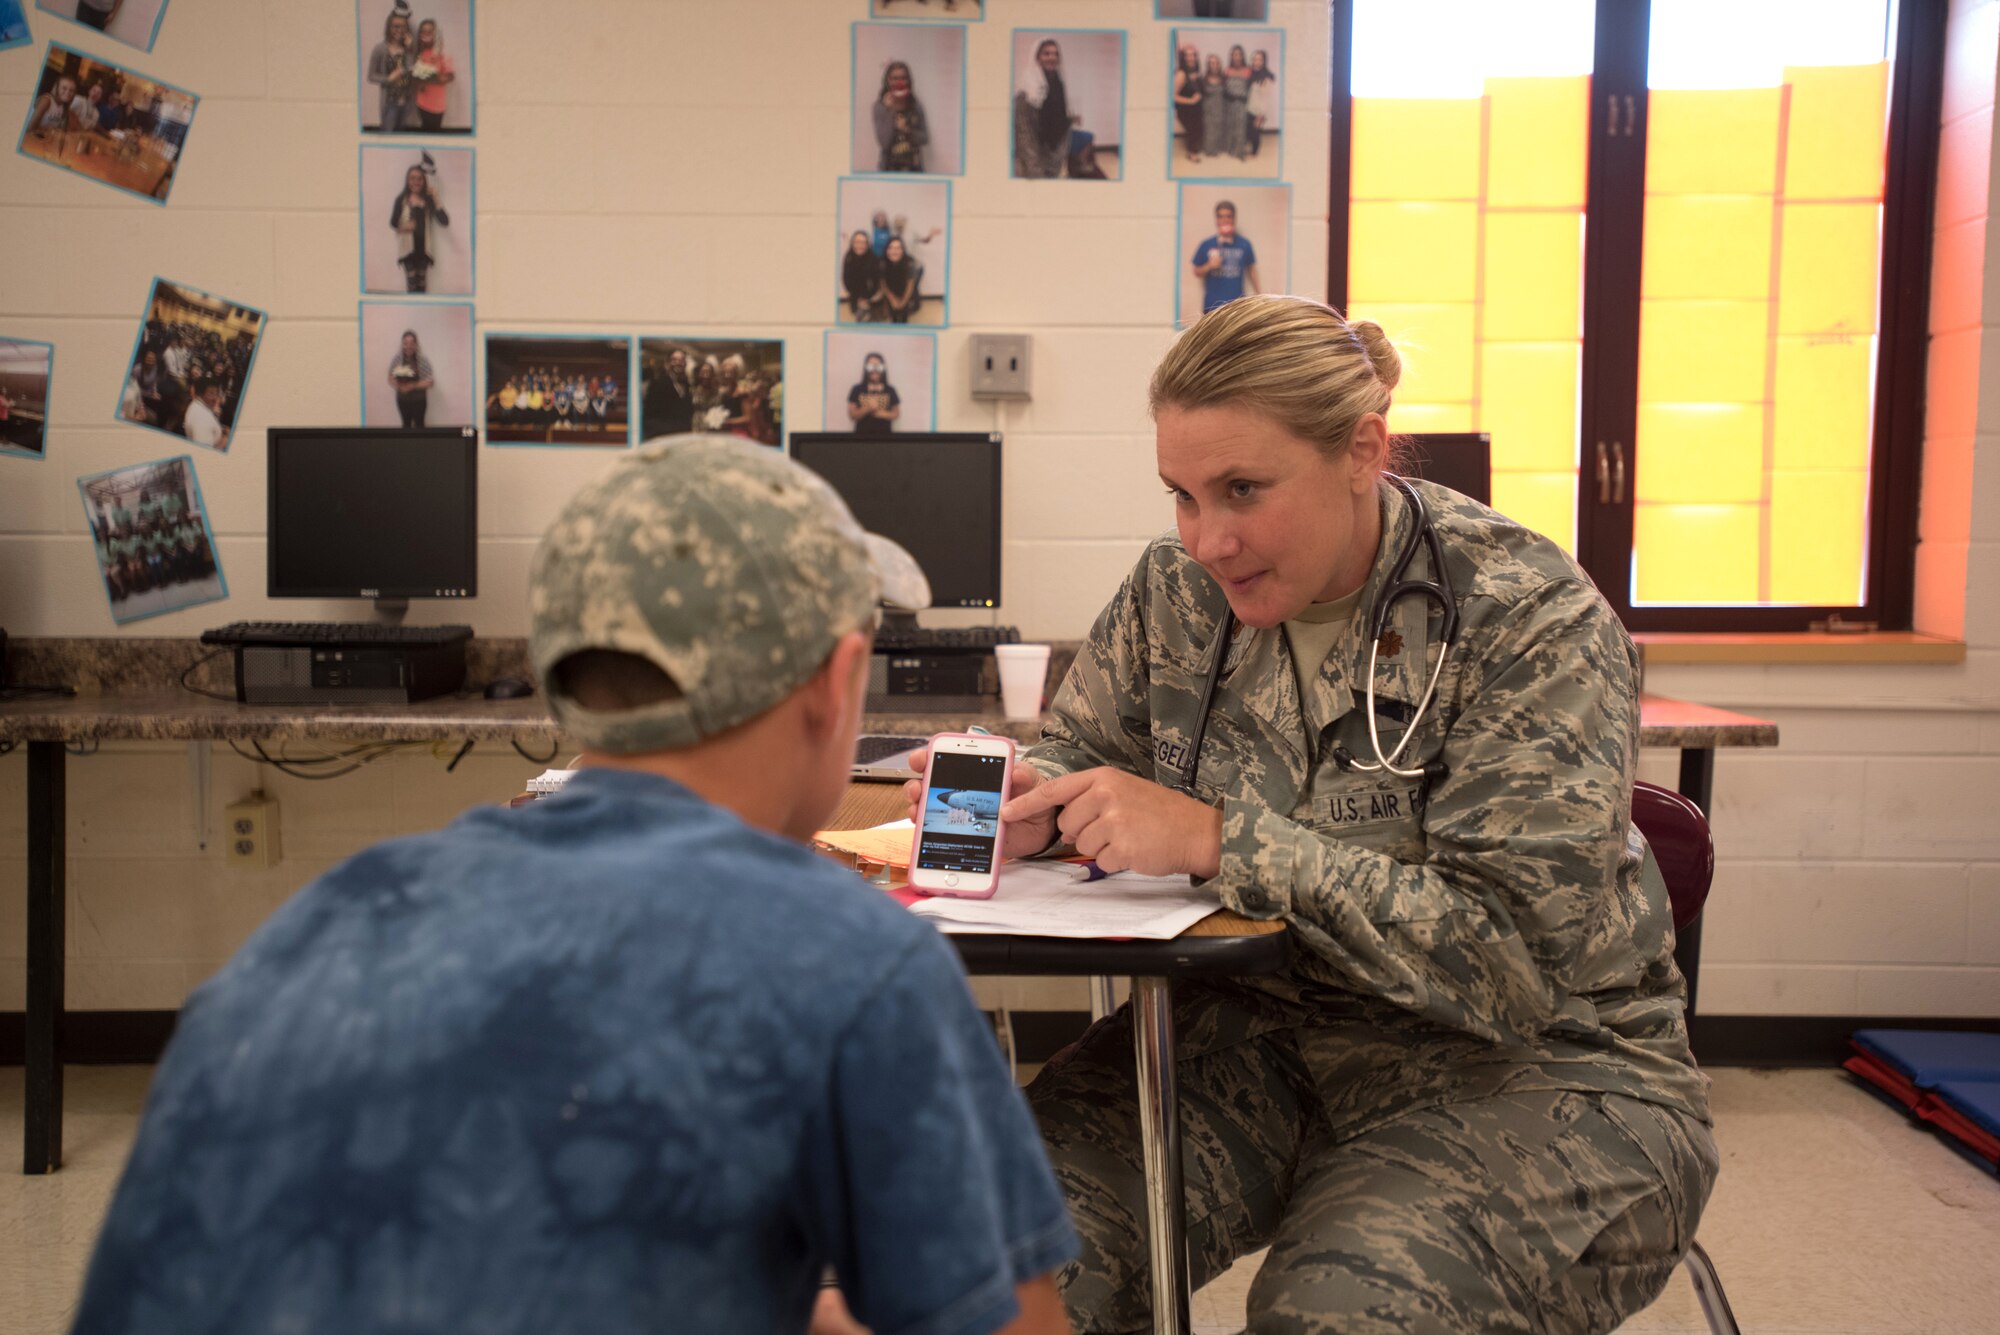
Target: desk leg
x=42, y=1147
x=1697, y=785
x=1103, y=998
x=1160, y=1137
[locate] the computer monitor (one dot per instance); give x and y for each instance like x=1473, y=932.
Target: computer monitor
x=358, y=512
x=938, y=494
x=1461, y=460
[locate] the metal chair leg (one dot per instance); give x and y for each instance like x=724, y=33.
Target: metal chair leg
x=1708, y=1292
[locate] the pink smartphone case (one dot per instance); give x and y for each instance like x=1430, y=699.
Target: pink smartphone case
x=999, y=826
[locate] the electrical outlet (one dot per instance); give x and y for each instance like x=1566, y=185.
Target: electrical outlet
x=1000, y=366
x=250, y=830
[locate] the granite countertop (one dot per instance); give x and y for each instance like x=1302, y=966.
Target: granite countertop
x=130, y=687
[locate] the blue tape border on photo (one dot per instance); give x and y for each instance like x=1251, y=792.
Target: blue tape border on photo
x=784, y=373
x=207, y=528
x=1124, y=88
x=194, y=100
x=873, y=17
x=1184, y=18
x=257, y=347
x=950, y=248
x=471, y=78
x=854, y=88
x=159, y=16
x=27, y=37
x=486, y=336
x=398, y=145
x=48, y=403
x=361, y=348
x=1173, y=58
x=826, y=364
x=1184, y=262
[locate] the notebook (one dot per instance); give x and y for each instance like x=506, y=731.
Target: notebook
x=883, y=756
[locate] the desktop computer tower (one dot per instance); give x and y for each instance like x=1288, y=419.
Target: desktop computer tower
x=926, y=682
x=272, y=674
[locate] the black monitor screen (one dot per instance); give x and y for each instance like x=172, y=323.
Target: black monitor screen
x=938, y=495
x=1461, y=460
x=364, y=513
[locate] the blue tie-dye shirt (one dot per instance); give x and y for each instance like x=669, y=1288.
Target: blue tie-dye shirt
x=614, y=1061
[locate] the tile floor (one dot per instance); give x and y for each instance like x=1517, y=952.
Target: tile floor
x=1833, y=1215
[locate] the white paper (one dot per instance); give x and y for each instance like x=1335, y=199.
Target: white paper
x=1054, y=899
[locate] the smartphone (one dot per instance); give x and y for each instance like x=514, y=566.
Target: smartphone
x=957, y=848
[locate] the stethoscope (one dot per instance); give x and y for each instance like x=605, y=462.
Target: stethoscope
x=1423, y=536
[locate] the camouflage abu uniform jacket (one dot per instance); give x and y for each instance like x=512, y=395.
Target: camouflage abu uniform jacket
x=1492, y=934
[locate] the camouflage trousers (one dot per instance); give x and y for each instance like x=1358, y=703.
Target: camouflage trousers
x=1534, y=1211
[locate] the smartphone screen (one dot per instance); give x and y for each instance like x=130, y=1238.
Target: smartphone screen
x=961, y=813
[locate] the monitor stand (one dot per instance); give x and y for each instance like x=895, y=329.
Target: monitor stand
x=391, y=611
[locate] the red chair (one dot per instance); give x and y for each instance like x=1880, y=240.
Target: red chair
x=1678, y=834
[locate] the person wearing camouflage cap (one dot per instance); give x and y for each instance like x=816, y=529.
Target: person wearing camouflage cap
x=631, y=1058
x=1469, y=1104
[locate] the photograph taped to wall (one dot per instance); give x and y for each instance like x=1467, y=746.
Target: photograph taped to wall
x=133, y=22
x=13, y=25
x=880, y=381
x=909, y=98
x=893, y=265
x=722, y=386
x=415, y=66
x=1235, y=240
x=416, y=364
x=417, y=220
x=929, y=11
x=1227, y=90
x=150, y=530
x=191, y=364
x=558, y=389
x=26, y=368
x=1237, y=11
x=108, y=123
x=1069, y=104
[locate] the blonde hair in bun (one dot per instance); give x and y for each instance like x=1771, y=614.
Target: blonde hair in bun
x=1293, y=359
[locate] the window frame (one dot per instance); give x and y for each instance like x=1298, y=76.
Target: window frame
x=1615, y=216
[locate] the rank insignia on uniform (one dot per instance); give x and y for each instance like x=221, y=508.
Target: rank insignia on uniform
x=1390, y=644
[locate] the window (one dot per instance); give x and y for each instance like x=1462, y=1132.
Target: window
x=1660, y=258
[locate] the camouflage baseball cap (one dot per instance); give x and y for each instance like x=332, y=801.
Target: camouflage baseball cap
x=721, y=562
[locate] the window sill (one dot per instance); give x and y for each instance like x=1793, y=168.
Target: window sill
x=1809, y=647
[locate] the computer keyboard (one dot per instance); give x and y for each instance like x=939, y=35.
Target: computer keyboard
x=362, y=634
x=871, y=747
x=943, y=639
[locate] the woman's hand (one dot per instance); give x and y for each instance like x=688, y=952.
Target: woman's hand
x=831, y=1317
x=1024, y=837
x=1125, y=823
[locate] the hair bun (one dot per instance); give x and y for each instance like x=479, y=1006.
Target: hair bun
x=1381, y=352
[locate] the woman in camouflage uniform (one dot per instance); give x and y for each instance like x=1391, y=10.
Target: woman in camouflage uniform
x=1469, y=1104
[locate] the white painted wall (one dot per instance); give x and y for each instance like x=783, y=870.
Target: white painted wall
x=626, y=188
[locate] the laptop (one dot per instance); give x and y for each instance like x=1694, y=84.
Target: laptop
x=884, y=756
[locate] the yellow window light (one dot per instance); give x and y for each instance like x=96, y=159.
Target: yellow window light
x=1695, y=553
x=1537, y=142
x=1534, y=277
x=1528, y=400
x=1817, y=523
x=1708, y=247
x=1690, y=453
x=1410, y=148
x=1412, y=252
